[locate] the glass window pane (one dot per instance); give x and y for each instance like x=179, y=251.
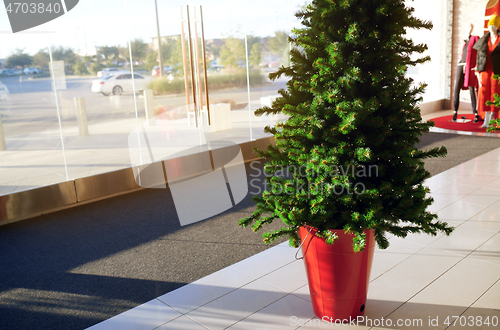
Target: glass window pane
x=31, y=149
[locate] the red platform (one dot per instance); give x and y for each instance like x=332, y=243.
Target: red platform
x=469, y=126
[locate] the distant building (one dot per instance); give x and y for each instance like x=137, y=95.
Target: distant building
x=154, y=43
x=2, y=62
x=213, y=47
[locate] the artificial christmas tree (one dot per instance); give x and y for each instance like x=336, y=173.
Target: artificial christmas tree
x=345, y=159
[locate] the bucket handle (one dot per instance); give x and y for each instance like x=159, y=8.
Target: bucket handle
x=298, y=249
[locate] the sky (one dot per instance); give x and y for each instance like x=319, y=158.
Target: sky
x=114, y=22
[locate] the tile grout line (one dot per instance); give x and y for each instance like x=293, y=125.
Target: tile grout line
x=426, y=286
x=253, y=313
x=256, y=278
x=208, y=302
x=286, y=293
x=253, y=279
x=178, y=317
x=466, y=195
x=446, y=271
x=206, y=327
x=175, y=318
x=411, y=255
x=475, y=301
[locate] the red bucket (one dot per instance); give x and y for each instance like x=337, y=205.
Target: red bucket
x=338, y=277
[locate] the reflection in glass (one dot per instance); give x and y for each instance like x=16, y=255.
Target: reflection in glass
x=32, y=153
x=106, y=81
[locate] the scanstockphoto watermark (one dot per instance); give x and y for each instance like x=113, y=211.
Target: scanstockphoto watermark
x=357, y=321
x=207, y=177
x=353, y=185
x=478, y=321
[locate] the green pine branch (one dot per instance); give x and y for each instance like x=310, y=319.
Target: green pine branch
x=350, y=108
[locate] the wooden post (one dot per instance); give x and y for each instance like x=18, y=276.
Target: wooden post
x=205, y=64
x=81, y=116
x=184, y=61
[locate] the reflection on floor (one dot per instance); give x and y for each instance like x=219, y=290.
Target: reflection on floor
x=421, y=282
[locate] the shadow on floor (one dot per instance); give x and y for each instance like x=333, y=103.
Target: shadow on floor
x=91, y=262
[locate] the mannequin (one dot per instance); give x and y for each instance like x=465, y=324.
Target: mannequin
x=465, y=77
x=488, y=64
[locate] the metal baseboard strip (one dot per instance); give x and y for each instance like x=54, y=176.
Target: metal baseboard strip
x=32, y=203
x=107, y=184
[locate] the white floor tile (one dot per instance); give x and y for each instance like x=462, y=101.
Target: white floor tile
x=287, y=278
x=490, y=299
x=460, y=211
x=289, y=312
x=303, y=293
x=266, y=261
x=491, y=245
x=453, y=222
x=467, y=280
x=402, y=245
x=427, y=306
x=146, y=316
x=391, y=288
x=463, y=241
x=486, y=192
x=480, y=200
x=435, y=207
x=376, y=309
x=383, y=262
x=204, y=290
x=478, y=180
x=237, y=305
x=182, y=323
x=436, y=183
x=386, y=294
x=477, y=164
x=424, y=267
x=457, y=188
x=489, y=251
x=447, y=199
x=492, y=169
x=423, y=238
x=442, y=200
x=493, y=155
x=495, y=184
x=453, y=174
x=477, y=318
x=496, y=205
x=491, y=214
x=493, y=226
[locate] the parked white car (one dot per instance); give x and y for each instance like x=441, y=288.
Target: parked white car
x=32, y=70
x=10, y=72
x=119, y=83
x=106, y=71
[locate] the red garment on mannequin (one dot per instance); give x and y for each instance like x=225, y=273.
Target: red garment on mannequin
x=470, y=63
x=489, y=86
